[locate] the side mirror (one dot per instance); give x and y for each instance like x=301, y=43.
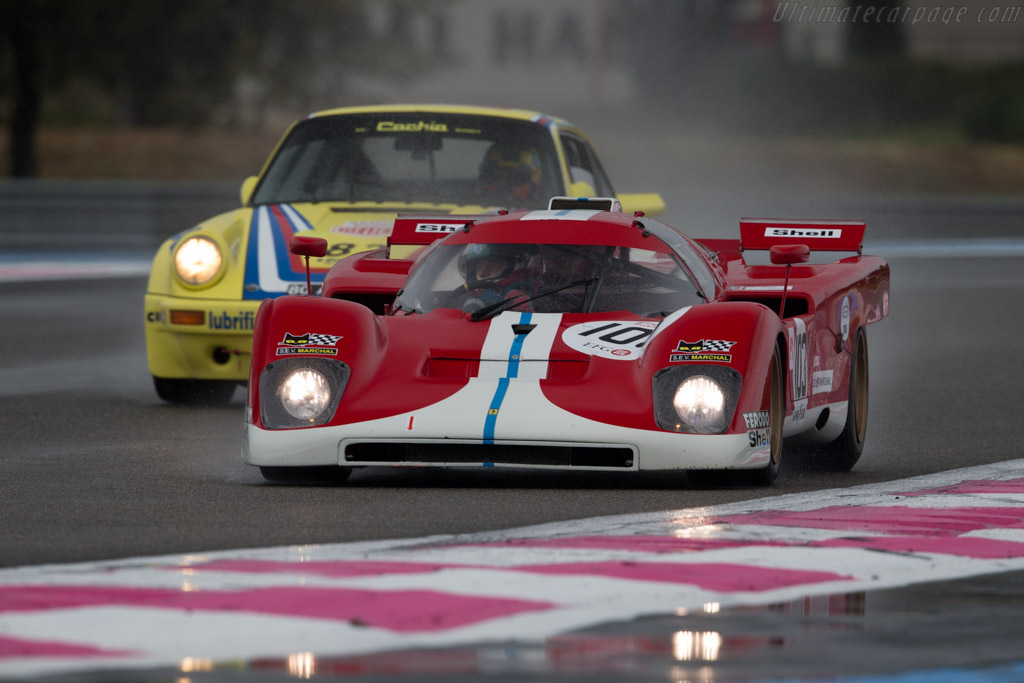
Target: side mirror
x=248, y=186
x=302, y=245
x=788, y=254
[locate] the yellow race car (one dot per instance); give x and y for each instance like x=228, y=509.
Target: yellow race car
x=344, y=174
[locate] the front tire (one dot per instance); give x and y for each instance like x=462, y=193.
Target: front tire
x=843, y=453
x=195, y=392
x=776, y=418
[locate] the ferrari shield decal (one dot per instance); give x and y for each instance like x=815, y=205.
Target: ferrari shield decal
x=270, y=269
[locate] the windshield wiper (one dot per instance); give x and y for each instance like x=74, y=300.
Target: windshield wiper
x=497, y=307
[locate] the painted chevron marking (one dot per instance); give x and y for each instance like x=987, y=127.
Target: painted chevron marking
x=533, y=583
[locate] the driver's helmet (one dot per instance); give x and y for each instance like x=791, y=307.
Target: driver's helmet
x=498, y=263
x=511, y=170
x=561, y=264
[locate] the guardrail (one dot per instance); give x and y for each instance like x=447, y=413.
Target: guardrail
x=104, y=215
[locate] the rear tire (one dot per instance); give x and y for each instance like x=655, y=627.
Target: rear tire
x=327, y=475
x=843, y=453
x=196, y=392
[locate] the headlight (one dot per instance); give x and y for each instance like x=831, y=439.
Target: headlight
x=696, y=399
x=699, y=401
x=301, y=392
x=197, y=260
x=304, y=394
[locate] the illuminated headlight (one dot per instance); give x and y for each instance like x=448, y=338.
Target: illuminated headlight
x=304, y=394
x=696, y=399
x=197, y=260
x=301, y=392
x=699, y=401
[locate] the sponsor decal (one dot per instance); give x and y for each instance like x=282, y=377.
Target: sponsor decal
x=242, y=322
x=756, y=420
x=821, y=382
x=308, y=344
x=829, y=233
x=714, y=350
x=798, y=358
x=154, y=317
x=300, y=288
x=615, y=339
x=844, y=318
x=418, y=126
x=758, y=438
x=364, y=228
x=438, y=227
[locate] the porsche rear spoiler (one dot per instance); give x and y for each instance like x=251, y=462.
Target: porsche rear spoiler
x=413, y=231
x=819, y=235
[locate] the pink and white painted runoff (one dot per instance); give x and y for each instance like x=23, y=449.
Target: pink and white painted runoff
x=526, y=584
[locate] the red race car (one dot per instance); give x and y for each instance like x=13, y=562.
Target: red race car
x=577, y=337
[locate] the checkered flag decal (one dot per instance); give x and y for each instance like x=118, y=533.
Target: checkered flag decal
x=717, y=345
x=323, y=340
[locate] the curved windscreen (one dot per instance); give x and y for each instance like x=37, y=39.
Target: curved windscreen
x=486, y=279
x=414, y=157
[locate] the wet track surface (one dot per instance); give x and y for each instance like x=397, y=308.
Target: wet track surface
x=95, y=467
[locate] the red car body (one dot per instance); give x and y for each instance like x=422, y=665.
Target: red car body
x=675, y=356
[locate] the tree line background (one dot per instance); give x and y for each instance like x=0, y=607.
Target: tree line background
x=184, y=63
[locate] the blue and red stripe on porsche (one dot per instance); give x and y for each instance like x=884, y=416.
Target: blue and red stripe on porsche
x=270, y=268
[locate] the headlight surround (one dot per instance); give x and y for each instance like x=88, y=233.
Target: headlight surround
x=696, y=399
x=198, y=261
x=301, y=392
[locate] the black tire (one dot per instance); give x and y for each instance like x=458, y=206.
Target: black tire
x=327, y=475
x=843, y=453
x=196, y=392
x=776, y=418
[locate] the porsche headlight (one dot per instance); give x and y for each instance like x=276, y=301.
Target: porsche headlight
x=305, y=394
x=301, y=392
x=197, y=260
x=699, y=400
x=696, y=399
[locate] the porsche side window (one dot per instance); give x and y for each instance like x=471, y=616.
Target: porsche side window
x=584, y=166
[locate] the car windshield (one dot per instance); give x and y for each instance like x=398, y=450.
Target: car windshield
x=414, y=157
x=486, y=279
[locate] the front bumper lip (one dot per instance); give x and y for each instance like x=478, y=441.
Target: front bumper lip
x=653, y=450
x=219, y=348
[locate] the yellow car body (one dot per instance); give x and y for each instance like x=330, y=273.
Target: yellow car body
x=344, y=174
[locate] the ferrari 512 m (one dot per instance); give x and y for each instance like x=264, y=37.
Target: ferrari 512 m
x=576, y=337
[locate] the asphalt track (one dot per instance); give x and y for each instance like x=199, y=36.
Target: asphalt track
x=94, y=468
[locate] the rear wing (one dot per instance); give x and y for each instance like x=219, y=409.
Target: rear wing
x=411, y=231
x=819, y=235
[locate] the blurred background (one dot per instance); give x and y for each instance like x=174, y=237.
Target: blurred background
x=725, y=107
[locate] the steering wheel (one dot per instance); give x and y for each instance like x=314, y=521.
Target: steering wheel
x=453, y=296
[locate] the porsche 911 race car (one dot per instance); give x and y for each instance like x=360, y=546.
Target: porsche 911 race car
x=343, y=175
x=576, y=337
